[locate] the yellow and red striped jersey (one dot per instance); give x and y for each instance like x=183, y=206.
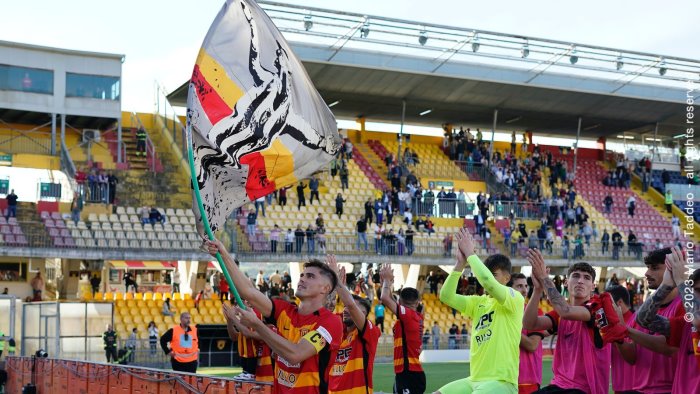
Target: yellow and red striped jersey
x=408, y=332
x=351, y=372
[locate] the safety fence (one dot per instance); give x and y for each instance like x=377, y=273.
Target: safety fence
x=58, y=376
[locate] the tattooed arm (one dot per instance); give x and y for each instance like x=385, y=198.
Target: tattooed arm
x=561, y=306
x=647, y=317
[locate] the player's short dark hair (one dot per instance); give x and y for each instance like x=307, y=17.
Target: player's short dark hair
x=363, y=302
x=325, y=271
x=498, y=261
x=584, y=267
x=656, y=257
x=518, y=275
x=695, y=276
x=409, y=295
x=619, y=293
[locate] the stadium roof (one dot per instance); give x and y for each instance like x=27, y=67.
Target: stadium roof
x=544, y=91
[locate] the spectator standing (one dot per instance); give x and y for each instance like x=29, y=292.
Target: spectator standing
x=167, y=309
x=250, y=223
x=104, y=186
x=301, y=199
x=152, y=337
x=339, y=205
x=109, y=338
x=141, y=142
x=76, y=206
x=631, y=205
x=260, y=281
x=617, y=244
x=112, y=180
x=435, y=332
x=608, y=202
x=313, y=187
x=274, y=238
x=401, y=242
x=344, y=177
x=665, y=177
x=676, y=227
x=310, y=239
x=131, y=345
x=95, y=284
x=299, y=238
x=361, y=228
x=646, y=179
x=260, y=202
x=276, y=280
x=379, y=316
x=368, y=211
x=447, y=245
x=282, y=195
x=605, y=241
x=11, y=205
x=409, y=239
x=176, y=281
x=184, y=345
x=129, y=282
x=432, y=282
x=668, y=199
x=288, y=241
x=37, y=284
x=224, y=288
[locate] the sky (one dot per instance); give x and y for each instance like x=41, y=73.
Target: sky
x=161, y=38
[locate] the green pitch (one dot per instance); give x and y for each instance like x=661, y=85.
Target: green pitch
x=437, y=374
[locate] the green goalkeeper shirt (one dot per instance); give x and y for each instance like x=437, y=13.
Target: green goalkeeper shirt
x=497, y=321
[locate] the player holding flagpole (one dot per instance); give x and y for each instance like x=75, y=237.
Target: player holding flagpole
x=497, y=317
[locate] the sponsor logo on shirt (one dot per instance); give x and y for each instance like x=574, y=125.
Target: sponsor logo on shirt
x=343, y=355
x=484, y=328
x=286, y=378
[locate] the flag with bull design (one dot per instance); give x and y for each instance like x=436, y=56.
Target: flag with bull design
x=256, y=121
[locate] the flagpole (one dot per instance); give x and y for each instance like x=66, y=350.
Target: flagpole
x=205, y=220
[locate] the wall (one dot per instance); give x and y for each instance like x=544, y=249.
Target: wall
x=60, y=61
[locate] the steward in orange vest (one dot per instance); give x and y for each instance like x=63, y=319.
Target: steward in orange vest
x=184, y=345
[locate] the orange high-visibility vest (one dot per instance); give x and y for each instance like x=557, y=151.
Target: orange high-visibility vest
x=185, y=350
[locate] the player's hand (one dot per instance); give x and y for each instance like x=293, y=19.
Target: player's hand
x=332, y=263
x=386, y=273
x=247, y=317
x=342, y=277
x=539, y=269
x=675, y=262
x=229, y=313
x=214, y=246
x=465, y=242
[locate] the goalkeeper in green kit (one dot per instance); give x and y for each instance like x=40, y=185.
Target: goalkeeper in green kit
x=497, y=320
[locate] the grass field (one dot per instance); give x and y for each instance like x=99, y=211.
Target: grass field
x=437, y=374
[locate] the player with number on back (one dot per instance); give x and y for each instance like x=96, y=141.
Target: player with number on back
x=497, y=317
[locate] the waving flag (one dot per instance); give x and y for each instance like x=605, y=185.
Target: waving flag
x=256, y=121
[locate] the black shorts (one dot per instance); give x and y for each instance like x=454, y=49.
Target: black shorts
x=552, y=389
x=410, y=382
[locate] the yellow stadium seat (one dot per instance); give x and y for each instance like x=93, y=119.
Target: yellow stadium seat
x=86, y=296
x=138, y=296
x=129, y=303
x=134, y=311
x=138, y=319
x=109, y=296
x=126, y=319
x=176, y=296
x=189, y=303
x=157, y=296
x=162, y=328
x=99, y=296
x=150, y=303
x=118, y=296
x=188, y=296
x=119, y=327
x=129, y=296
x=158, y=319
x=214, y=296
x=148, y=295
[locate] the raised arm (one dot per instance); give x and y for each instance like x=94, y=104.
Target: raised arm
x=531, y=320
x=465, y=244
x=690, y=301
x=356, y=313
x=387, y=277
x=244, y=286
x=559, y=303
x=530, y=342
x=647, y=316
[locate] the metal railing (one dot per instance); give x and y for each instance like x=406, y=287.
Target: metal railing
x=150, y=147
x=475, y=171
x=441, y=207
x=166, y=114
x=26, y=141
x=520, y=210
